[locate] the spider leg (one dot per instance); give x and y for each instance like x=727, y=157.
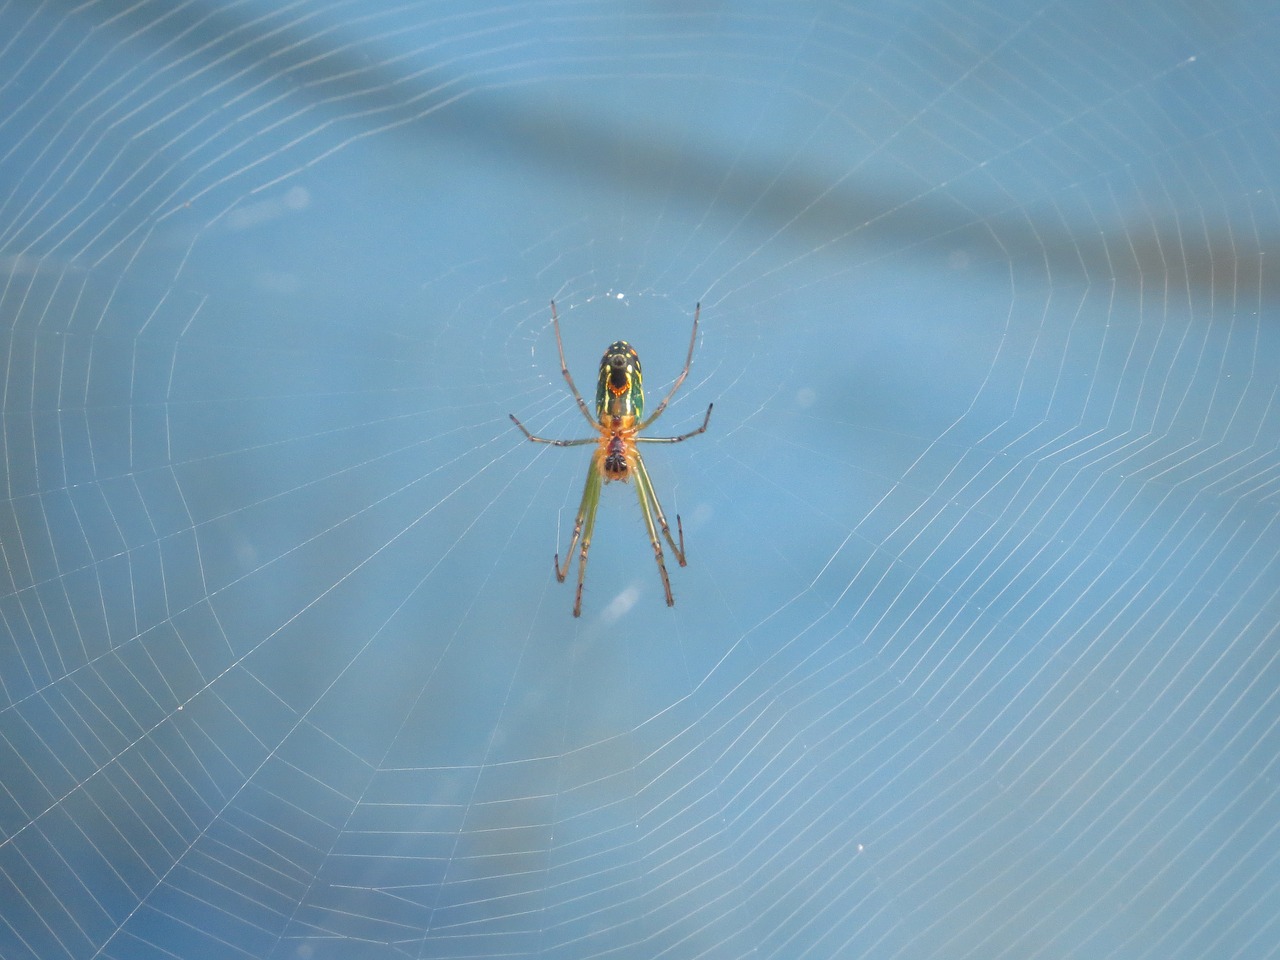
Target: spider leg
x=564, y=368
x=693, y=339
x=642, y=473
x=644, y=491
x=583, y=526
x=683, y=436
x=554, y=443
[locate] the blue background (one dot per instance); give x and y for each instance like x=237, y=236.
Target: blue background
x=976, y=651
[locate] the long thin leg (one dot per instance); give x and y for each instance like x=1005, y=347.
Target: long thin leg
x=644, y=490
x=582, y=405
x=642, y=473
x=564, y=368
x=554, y=443
x=583, y=526
x=693, y=339
x=683, y=436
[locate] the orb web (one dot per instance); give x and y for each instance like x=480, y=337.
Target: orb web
x=975, y=653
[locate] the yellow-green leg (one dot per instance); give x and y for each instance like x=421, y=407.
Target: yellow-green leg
x=649, y=506
x=583, y=526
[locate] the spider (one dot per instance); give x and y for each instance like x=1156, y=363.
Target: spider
x=619, y=421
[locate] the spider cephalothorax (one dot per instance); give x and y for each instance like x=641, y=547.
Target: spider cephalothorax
x=617, y=448
x=619, y=421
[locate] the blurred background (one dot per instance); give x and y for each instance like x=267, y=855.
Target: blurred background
x=976, y=651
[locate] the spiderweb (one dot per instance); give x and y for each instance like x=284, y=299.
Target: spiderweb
x=976, y=651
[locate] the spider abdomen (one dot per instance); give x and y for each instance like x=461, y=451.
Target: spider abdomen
x=620, y=390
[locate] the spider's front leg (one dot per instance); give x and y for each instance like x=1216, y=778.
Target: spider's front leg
x=583, y=526
x=650, y=507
